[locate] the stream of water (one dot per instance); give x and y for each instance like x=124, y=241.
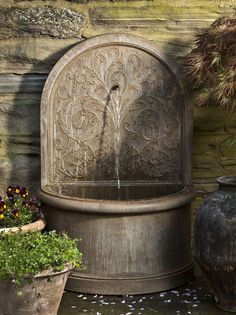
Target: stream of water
x=116, y=102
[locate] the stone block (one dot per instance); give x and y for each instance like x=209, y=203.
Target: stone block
x=20, y=170
x=230, y=124
x=35, y=55
x=186, y=16
x=211, y=173
x=28, y=83
x=202, y=140
x=228, y=152
x=207, y=159
x=209, y=119
x=19, y=116
x=40, y=21
x=12, y=146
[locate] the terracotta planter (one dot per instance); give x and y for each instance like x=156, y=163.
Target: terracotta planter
x=42, y=297
x=31, y=227
x=215, y=246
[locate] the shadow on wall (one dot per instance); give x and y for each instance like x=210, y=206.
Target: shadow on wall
x=20, y=113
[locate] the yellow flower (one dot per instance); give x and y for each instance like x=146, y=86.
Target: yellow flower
x=2, y=216
x=17, y=191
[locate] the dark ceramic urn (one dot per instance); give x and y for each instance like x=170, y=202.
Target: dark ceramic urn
x=215, y=242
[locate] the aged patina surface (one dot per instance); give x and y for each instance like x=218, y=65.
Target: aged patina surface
x=214, y=240
x=33, y=46
x=116, y=165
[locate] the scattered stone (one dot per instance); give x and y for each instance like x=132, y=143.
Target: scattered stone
x=40, y=21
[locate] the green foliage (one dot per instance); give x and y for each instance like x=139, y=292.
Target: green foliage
x=18, y=207
x=211, y=66
x=26, y=255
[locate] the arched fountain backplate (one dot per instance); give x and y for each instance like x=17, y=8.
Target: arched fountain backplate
x=115, y=139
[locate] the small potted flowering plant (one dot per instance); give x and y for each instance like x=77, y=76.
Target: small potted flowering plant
x=33, y=271
x=19, y=211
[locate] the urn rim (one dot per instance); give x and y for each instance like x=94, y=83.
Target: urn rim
x=229, y=181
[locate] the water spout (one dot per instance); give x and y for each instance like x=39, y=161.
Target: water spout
x=116, y=102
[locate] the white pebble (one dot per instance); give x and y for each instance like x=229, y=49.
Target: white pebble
x=187, y=294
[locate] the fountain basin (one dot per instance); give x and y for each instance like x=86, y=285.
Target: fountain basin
x=130, y=246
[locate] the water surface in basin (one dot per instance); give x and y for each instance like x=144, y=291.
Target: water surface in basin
x=114, y=192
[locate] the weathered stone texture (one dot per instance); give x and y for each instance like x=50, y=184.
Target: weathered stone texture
x=214, y=149
x=15, y=84
x=19, y=116
x=22, y=169
x=40, y=21
x=24, y=55
x=35, y=34
x=19, y=140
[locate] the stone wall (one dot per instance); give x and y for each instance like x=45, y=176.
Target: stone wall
x=35, y=34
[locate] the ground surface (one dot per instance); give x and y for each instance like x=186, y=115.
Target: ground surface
x=193, y=298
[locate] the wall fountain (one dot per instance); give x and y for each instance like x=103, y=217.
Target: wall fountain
x=116, y=164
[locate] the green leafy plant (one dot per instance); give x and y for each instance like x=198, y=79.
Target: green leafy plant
x=23, y=256
x=210, y=68
x=18, y=207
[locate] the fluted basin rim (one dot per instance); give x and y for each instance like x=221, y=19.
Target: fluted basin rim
x=165, y=203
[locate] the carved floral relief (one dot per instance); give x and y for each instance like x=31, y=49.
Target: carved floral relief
x=116, y=115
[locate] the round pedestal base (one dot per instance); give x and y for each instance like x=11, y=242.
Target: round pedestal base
x=89, y=283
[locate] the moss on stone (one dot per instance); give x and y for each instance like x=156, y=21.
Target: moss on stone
x=212, y=173
x=207, y=159
x=228, y=152
x=209, y=119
